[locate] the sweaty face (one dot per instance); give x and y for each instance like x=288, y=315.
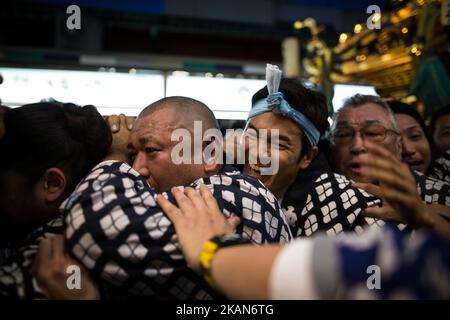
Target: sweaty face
x=347, y=157
x=287, y=152
x=151, y=137
x=441, y=134
x=415, y=146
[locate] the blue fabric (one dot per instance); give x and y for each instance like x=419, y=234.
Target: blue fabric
x=416, y=267
x=275, y=103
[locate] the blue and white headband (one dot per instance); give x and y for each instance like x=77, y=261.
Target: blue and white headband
x=276, y=103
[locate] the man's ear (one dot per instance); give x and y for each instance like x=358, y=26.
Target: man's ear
x=211, y=168
x=211, y=164
x=307, y=158
x=53, y=184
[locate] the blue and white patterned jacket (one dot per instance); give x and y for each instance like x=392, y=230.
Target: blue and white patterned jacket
x=116, y=229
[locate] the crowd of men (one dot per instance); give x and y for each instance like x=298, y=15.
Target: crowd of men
x=107, y=196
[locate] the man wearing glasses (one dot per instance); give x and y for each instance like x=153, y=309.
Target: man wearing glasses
x=365, y=118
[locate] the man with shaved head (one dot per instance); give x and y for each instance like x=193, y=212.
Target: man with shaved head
x=151, y=137
x=117, y=230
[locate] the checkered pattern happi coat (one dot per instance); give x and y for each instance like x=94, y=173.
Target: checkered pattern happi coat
x=16, y=281
x=116, y=229
x=440, y=168
x=323, y=201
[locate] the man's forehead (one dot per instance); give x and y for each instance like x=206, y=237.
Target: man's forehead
x=147, y=129
x=156, y=127
x=144, y=136
x=367, y=113
x=156, y=121
x=269, y=121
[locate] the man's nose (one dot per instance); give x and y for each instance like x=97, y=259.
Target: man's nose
x=357, y=144
x=140, y=164
x=260, y=152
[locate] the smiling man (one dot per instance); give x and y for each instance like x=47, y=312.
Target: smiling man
x=286, y=150
x=298, y=129
x=313, y=198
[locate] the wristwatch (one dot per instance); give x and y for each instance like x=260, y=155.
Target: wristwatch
x=210, y=248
